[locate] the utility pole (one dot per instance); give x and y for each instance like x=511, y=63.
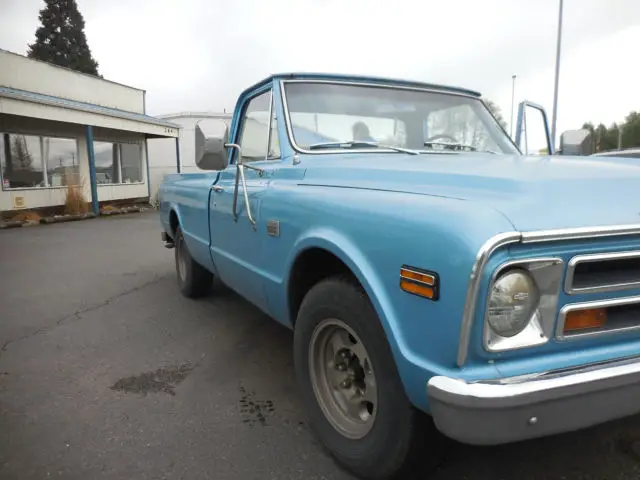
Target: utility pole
x=513, y=90
x=620, y=128
x=555, y=90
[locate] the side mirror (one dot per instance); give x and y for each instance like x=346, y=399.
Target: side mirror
x=533, y=125
x=576, y=142
x=211, y=135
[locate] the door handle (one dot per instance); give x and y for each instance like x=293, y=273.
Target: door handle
x=217, y=188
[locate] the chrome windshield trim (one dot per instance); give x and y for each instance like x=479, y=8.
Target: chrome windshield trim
x=596, y=257
x=299, y=149
x=482, y=258
x=394, y=86
x=609, y=302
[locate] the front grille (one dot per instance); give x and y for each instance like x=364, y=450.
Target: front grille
x=622, y=314
x=603, y=272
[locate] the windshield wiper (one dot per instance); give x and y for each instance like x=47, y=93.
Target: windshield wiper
x=457, y=146
x=360, y=144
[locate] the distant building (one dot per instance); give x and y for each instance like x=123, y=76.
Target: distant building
x=60, y=127
x=162, y=153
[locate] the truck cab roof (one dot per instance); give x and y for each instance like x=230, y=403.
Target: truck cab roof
x=336, y=77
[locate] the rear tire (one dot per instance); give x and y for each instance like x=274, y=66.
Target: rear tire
x=381, y=436
x=193, y=279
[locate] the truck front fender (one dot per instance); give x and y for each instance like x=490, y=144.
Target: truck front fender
x=411, y=367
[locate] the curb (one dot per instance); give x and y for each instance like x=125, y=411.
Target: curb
x=11, y=224
x=120, y=211
x=68, y=218
x=31, y=223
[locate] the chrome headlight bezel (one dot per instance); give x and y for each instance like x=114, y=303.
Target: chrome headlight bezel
x=511, y=302
x=546, y=276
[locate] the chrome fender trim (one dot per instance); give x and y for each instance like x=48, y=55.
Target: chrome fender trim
x=502, y=239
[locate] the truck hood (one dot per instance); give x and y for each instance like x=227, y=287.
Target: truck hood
x=534, y=193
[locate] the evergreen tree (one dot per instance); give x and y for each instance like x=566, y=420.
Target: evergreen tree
x=624, y=135
x=631, y=130
x=61, y=39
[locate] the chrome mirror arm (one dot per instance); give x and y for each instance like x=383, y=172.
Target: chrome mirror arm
x=240, y=175
x=235, y=190
x=237, y=147
x=246, y=195
x=259, y=170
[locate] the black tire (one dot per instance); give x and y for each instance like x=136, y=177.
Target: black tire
x=402, y=442
x=195, y=281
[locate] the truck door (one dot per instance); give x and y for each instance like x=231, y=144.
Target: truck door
x=237, y=235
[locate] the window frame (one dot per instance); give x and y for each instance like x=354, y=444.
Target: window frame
x=43, y=161
x=271, y=134
x=288, y=124
x=140, y=143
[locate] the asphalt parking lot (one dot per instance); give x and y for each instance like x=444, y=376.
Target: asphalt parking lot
x=107, y=372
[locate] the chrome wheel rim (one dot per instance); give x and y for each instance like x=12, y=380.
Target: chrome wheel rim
x=343, y=379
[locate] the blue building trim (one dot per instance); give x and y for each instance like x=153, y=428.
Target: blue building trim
x=178, y=165
x=146, y=160
x=83, y=106
x=92, y=170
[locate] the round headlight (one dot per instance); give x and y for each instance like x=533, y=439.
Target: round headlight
x=513, y=300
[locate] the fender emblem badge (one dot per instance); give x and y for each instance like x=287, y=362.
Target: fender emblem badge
x=273, y=228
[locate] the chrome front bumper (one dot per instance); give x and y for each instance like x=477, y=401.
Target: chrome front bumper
x=519, y=408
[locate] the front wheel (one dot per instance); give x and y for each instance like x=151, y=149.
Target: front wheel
x=351, y=388
x=193, y=279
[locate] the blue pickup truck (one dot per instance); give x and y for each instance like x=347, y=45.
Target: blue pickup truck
x=437, y=278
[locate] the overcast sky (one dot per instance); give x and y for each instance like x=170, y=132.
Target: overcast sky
x=199, y=54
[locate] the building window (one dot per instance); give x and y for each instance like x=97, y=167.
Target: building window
x=118, y=162
x=31, y=161
x=131, y=163
x=61, y=161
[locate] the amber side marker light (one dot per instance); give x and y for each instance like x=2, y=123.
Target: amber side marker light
x=583, y=319
x=420, y=282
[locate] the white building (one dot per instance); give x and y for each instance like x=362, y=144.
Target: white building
x=59, y=127
x=162, y=153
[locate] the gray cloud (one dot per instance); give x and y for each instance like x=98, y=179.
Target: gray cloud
x=199, y=54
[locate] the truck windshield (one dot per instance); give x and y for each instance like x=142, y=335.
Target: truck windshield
x=422, y=120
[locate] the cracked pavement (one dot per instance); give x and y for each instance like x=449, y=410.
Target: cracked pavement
x=106, y=372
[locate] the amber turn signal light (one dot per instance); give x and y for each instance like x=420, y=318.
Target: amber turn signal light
x=583, y=319
x=419, y=282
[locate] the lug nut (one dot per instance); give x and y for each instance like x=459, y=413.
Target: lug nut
x=345, y=383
